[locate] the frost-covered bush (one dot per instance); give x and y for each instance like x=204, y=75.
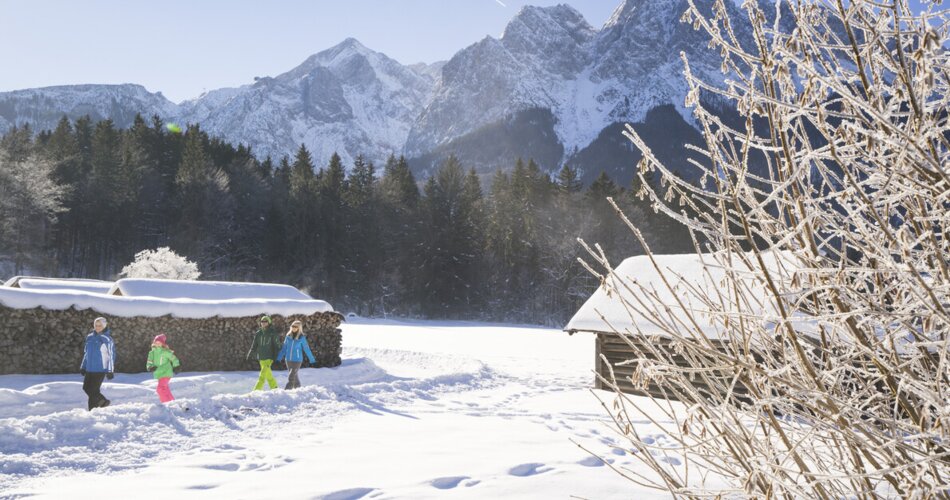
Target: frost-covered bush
x=823, y=339
x=161, y=263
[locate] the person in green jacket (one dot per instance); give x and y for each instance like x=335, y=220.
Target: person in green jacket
x=163, y=363
x=265, y=348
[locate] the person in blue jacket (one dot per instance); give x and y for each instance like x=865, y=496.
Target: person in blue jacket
x=295, y=346
x=98, y=362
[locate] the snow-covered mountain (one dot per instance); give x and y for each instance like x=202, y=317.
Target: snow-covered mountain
x=552, y=88
x=346, y=99
x=562, y=82
x=43, y=107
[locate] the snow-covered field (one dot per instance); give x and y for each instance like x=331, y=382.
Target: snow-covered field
x=417, y=410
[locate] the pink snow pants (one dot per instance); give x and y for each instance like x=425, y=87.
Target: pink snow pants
x=164, y=392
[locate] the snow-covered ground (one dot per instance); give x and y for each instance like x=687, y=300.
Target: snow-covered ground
x=417, y=410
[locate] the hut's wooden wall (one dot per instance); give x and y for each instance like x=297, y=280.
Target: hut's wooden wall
x=616, y=350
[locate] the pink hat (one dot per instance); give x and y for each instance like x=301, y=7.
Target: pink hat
x=159, y=339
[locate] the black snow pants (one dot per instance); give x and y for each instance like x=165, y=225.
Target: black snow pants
x=90, y=385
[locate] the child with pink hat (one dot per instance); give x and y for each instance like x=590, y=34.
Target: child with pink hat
x=163, y=363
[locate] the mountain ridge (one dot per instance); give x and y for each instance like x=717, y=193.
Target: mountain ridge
x=353, y=100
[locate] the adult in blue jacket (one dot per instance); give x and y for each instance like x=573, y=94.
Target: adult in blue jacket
x=295, y=346
x=98, y=362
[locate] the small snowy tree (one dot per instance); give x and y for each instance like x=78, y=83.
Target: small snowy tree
x=811, y=358
x=161, y=263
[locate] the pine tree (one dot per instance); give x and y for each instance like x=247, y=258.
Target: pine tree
x=302, y=211
x=603, y=226
x=519, y=207
x=332, y=217
x=245, y=247
x=204, y=204
x=266, y=168
x=400, y=231
x=364, y=258
x=62, y=149
x=144, y=160
x=18, y=142
x=567, y=180
x=452, y=244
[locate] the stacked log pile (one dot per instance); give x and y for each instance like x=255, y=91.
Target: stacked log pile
x=38, y=341
x=326, y=348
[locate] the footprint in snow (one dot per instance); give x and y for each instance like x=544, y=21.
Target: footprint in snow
x=595, y=462
x=670, y=460
x=348, y=494
x=530, y=469
x=447, y=483
x=224, y=467
x=203, y=487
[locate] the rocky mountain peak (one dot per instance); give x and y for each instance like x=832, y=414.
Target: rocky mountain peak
x=347, y=49
x=638, y=12
x=558, y=20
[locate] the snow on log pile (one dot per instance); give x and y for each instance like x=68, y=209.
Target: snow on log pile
x=33, y=283
x=42, y=330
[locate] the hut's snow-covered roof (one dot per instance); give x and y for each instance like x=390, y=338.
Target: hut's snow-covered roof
x=606, y=309
x=92, y=286
x=204, y=290
x=273, y=299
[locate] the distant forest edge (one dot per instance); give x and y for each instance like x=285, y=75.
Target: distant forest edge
x=81, y=200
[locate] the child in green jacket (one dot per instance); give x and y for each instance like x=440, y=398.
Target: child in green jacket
x=163, y=363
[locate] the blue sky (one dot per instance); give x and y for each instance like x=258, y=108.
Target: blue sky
x=185, y=47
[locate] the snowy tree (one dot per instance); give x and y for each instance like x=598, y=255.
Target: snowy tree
x=30, y=201
x=811, y=355
x=161, y=263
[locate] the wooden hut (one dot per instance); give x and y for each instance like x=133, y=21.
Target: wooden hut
x=624, y=337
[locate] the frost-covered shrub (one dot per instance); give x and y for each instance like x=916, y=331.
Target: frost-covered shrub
x=161, y=263
x=821, y=345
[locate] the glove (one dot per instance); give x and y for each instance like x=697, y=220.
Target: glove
x=110, y=375
x=82, y=371
x=151, y=368
x=176, y=369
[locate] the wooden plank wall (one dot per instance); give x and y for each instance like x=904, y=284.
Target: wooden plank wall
x=616, y=350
